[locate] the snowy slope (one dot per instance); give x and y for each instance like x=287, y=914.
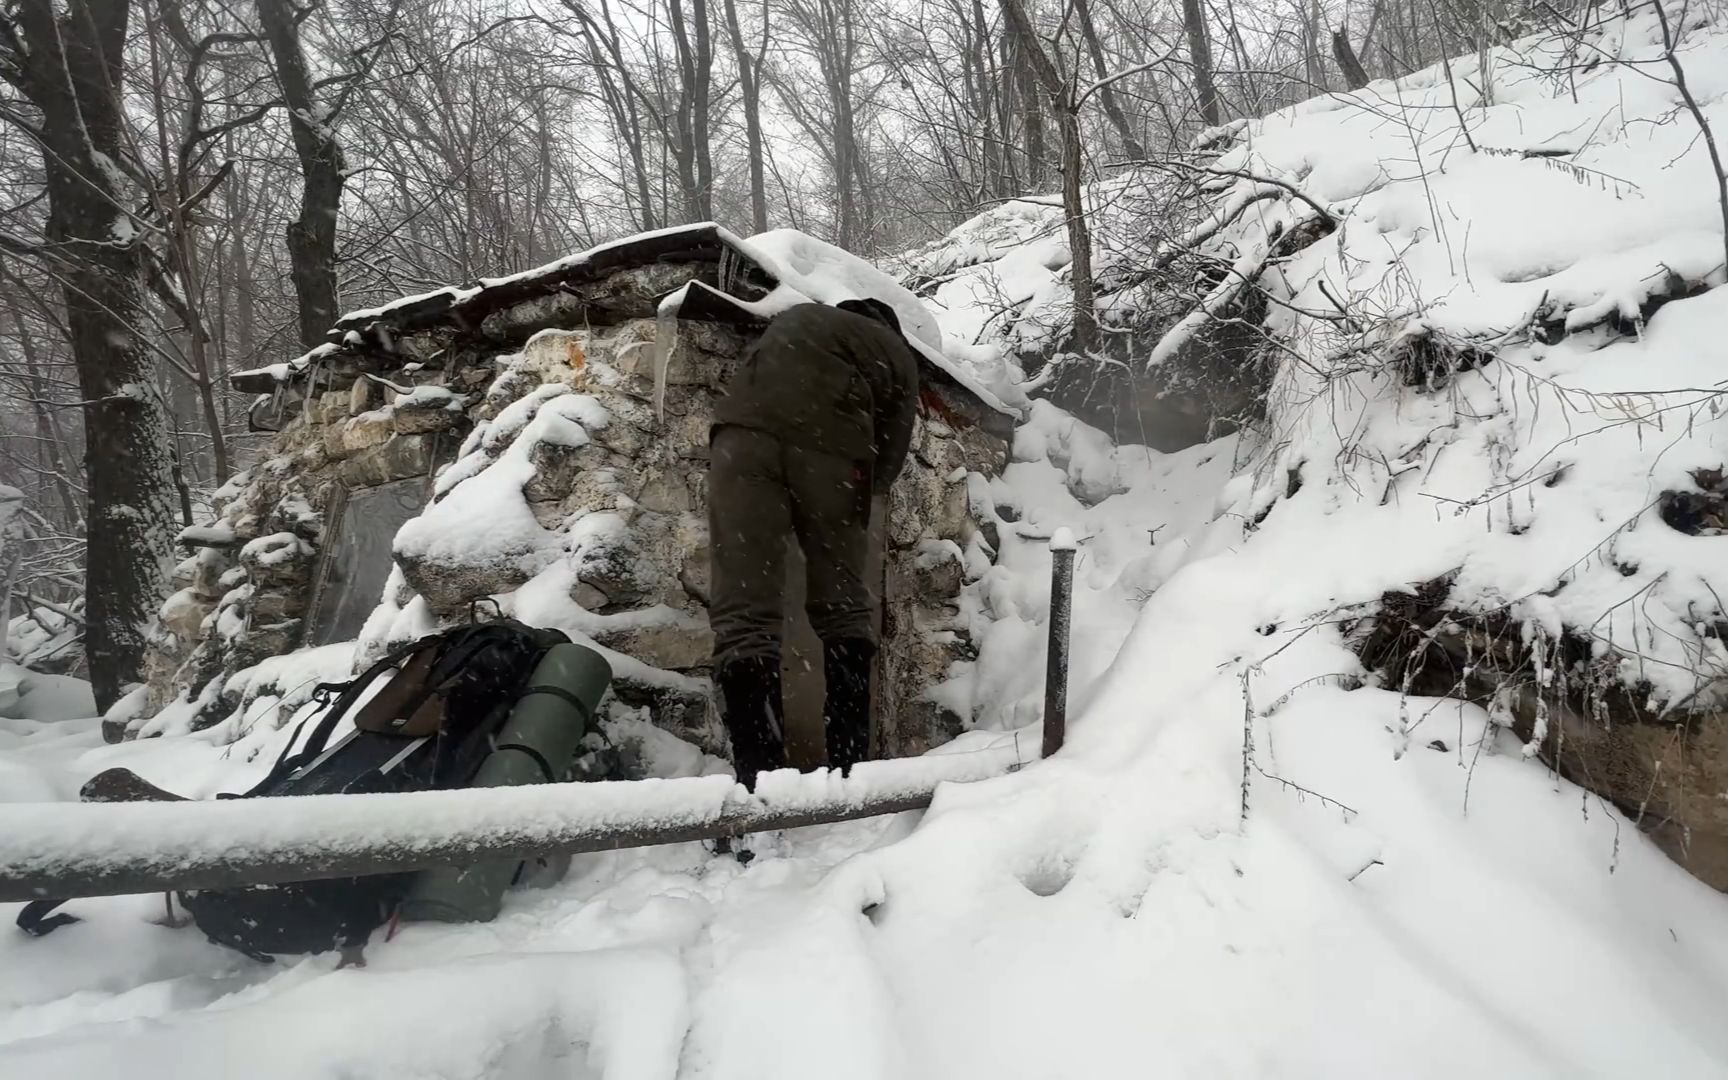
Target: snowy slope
x=1246, y=862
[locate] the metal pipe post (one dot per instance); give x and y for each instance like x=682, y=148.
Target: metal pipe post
x=1062, y=546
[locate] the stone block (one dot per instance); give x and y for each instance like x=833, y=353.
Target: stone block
x=588, y=597
x=279, y=561
x=666, y=493
x=364, y=396
x=330, y=439
x=558, y=468
x=448, y=587
x=312, y=458
x=677, y=647
x=632, y=430
x=938, y=572
x=423, y=417
x=263, y=642
x=952, y=519
x=694, y=575
x=682, y=706
x=397, y=459
x=366, y=431
x=276, y=605
x=183, y=614
x=689, y=433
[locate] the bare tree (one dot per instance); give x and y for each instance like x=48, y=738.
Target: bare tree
x=1200, y=56
x=69, y=66
x=1354, y=75
x=323, y=169
x=750, y=87
x=1065, y=101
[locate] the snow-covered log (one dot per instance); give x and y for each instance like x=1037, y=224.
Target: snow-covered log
x=108, y=849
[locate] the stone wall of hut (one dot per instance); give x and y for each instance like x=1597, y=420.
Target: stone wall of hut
x=621, y=490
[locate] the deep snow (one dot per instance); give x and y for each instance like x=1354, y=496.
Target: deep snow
x=1239, y=865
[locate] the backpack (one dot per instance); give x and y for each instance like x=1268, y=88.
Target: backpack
x=427, y=728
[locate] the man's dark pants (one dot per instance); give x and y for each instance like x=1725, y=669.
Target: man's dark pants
x=761, y=491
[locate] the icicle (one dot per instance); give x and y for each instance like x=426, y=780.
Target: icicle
x=665, y=340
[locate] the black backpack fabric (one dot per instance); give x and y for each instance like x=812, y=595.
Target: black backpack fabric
x=428, y=728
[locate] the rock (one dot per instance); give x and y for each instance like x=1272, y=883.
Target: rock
x=951, y=519
x=183, y=614
x=420, y=417
x=312, y=458
x=364, y=396
x=280, y=560
x=367, y=430
x=1695, y=513
x=694, y=575
x=665, y=493
x=682, y=706
x=676, y=647
x=938, y=571
x=330, y=439
x=558, y=468
x=261, y=642
x=588, y=598
x=553, y=356
x=596, y=490
x=625, y=436
x=397, y=459
x=331, y=406
x=689, y=434
x=206, y=570
x=275, y=606
x=449, y=587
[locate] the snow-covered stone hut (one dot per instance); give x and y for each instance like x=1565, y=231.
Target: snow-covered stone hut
x=508, y=446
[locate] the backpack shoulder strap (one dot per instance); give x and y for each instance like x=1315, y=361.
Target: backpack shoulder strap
x=349, y=693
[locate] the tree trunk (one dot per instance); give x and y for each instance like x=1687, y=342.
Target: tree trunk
x=312, y=237
x=1354, y=77
x=1131, y=145
x=982, y=85
x=684, y=122
x=750, y=87
x=53, y=445
x=240, y=265
x=1200, y=55
x=1311, y=48
x=1062, y=94
x=1079, y=234
x=69, y=70
x=842, y=47
x=1026, y=82
x=699, y=107
x=185, y=253
x=622, y=98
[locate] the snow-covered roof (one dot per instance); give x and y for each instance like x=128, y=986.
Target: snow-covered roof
x=752, y=279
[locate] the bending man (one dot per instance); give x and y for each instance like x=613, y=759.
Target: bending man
x=814, y=423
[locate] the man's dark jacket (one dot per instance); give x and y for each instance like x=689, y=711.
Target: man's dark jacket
x=833, y=381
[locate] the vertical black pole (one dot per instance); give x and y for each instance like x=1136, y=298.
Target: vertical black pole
x=1056, y=661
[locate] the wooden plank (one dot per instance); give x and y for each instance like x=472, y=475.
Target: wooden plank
x=63, y=850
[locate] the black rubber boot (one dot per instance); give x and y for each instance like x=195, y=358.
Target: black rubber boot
x=750, y=696
x=846, y=664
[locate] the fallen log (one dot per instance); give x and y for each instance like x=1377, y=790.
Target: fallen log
x=59, y=850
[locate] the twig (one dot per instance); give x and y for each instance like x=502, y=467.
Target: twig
x=1697, y=115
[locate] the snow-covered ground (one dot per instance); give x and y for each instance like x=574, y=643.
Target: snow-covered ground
x=1249, y=860
x=1107, y=913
